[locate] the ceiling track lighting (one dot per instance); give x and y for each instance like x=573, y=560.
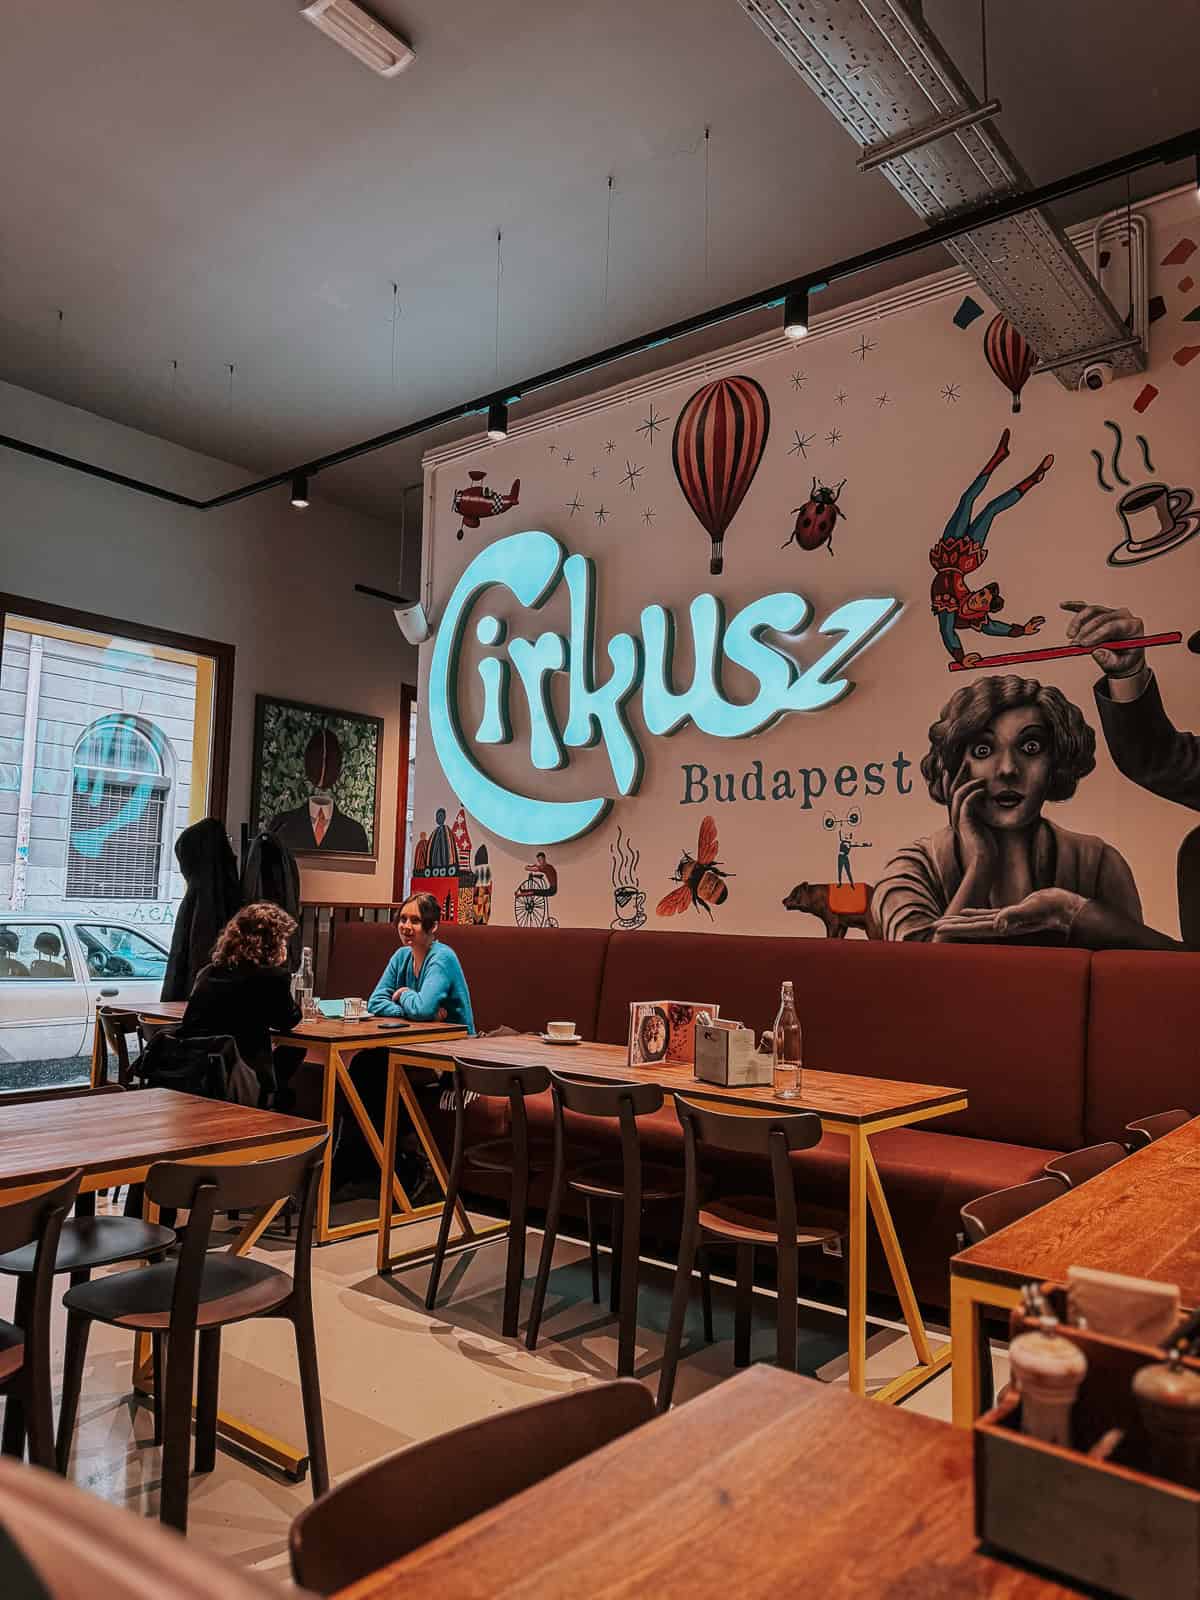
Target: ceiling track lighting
x=497, y=420
x=1168, y=152
x=795, y=314
x=300, y=490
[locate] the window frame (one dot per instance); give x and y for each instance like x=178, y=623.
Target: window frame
x=161, y=783
x=221, y=655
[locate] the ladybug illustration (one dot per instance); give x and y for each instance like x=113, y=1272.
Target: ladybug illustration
x=816, y=518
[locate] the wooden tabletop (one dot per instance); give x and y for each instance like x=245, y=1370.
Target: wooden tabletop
x=44, y=1140
x=1140, y=1217
x=835, y=1096
x=329, y=1030
x=770, y=1484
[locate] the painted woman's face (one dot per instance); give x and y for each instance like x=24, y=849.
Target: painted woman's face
x=1012, y=757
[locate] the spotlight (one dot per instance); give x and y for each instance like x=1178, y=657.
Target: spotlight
x=795, y=314
x=497, y=427
x=300, y=490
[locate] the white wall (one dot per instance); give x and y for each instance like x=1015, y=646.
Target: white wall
x=274, y=582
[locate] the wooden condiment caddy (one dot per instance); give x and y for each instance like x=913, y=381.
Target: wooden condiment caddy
x=1102, y=1518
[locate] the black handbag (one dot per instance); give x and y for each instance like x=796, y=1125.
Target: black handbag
x=209, y=1066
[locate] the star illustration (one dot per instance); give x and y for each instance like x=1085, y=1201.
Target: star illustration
x=631, y=475
x=574, y=504
x=609, y=446
x=950, y=393
x=864, y=347
x=595, y=472
x=833, y=436
x=600, y=514
x=567, y=457
x=651, y=425
x=648, y=514
x=841, y=397
x=798, y=379
x=883, y=399
x=800, y=443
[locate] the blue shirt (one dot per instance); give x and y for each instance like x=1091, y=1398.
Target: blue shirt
x=440, y=986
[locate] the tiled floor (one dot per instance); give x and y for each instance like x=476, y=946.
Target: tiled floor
x=392, y=1373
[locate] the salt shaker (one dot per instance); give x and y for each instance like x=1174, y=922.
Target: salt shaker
x=1048, y=1371
x=1168, y=1398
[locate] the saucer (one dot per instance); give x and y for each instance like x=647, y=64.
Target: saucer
x=1183, y=528
x=571, y=1038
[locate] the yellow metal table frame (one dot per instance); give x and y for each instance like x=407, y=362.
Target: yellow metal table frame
x=968, y=1297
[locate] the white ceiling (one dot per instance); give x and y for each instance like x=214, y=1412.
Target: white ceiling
x=217, y=183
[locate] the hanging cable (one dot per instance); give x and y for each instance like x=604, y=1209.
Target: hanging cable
x=499, y=269
x=706, y=194
x=983, y=46
x=395, y=327
x=608, y=243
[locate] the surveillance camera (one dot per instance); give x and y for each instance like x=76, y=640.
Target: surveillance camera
x=1096, y=375
x=412, y=622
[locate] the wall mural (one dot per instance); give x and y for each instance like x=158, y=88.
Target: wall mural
x=582, y=691
x=458, y=876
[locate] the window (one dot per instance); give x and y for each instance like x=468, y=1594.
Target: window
x=119, y=794
x=33, y=950
x=115, y=952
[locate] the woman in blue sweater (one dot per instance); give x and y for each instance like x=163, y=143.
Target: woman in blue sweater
x=424, y=980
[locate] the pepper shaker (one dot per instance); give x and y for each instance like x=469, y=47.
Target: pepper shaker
x=1048, y=1371
x=1168, y=1398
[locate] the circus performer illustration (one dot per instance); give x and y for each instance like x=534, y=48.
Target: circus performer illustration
x=1002, y=749
x=961, y=551
x=844, y=827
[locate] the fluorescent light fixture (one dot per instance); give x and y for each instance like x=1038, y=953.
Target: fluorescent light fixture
x=795, y=314
x=356, y=30
x=497, y=427
x=300, y=491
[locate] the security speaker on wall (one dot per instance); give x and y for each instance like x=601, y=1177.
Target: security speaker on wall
x=409, y=614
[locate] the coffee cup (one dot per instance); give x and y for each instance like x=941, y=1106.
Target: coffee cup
x=1151, y=511
x=560, y=1030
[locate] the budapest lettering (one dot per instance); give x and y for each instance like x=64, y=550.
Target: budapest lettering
x=805, y=785
x=530, y=566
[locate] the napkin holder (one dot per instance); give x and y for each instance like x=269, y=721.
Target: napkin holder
x=726, y=1054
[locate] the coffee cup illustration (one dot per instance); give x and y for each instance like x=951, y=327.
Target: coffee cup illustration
x=1155, y=519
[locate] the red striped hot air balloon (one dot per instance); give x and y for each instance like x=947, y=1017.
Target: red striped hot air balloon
x=719, y=440
x=1008, y=355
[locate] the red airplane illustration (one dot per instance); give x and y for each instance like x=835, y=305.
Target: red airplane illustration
x=475, y=502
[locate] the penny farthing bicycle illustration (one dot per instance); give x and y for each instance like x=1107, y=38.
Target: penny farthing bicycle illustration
x=531, y=902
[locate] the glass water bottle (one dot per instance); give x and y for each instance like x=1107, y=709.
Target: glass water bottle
x=788, y=1048
x=302, y=983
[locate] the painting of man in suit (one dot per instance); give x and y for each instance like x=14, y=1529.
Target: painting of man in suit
x=316, y=778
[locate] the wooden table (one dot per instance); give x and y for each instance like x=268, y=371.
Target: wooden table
x=770, y=1484
x=1140, y=1217
x=334, y=1042
x=116, y=1139
x=856, y=1107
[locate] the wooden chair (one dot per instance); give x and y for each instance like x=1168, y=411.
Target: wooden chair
x=983, y=1217
x=627, y=1185
x=33, y=1222
x=67, y=1543
x=1077, y=1166
x=517, y=1155
x=199, y=1293
x=119, y=1027
x=747, y=1222
x=382, y=1513
x=1146, y=1129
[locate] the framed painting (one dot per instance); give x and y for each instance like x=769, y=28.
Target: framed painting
x=316, y=778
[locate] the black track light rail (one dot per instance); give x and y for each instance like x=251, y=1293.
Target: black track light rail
x=1165, y=153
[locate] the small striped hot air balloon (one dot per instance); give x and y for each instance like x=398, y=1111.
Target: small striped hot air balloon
x=719, y=441
x=1008, y=355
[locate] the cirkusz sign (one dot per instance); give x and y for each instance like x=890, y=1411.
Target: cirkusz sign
x=530, y=565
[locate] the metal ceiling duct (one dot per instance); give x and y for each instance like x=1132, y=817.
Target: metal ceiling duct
x=884, y=75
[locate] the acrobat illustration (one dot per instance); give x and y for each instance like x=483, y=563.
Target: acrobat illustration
x=961, y=550
x=845, y=827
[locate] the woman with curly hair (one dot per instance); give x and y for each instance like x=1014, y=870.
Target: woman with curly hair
x=245, y=990
x=1002, y=749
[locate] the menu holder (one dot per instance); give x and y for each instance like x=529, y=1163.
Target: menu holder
x=726, y=1054
x=1094, y=1510
x=665, y=1031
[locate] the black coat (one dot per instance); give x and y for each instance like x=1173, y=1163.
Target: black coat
x=246, y=1003
x=213, y=895
x=271, y=874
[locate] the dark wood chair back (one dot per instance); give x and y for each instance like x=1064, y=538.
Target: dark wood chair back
x=501, y=1082
x=1146, y=1129
x=33, y=1217
x=624, y=1102
x=118, y=1026
x=413, y=1496
x=991, y=1212
x=1077, y=1166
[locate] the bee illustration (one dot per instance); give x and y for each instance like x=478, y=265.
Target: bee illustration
x=700, y=877
x=817, y=518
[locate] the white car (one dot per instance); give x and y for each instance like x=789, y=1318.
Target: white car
x=55, y=970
